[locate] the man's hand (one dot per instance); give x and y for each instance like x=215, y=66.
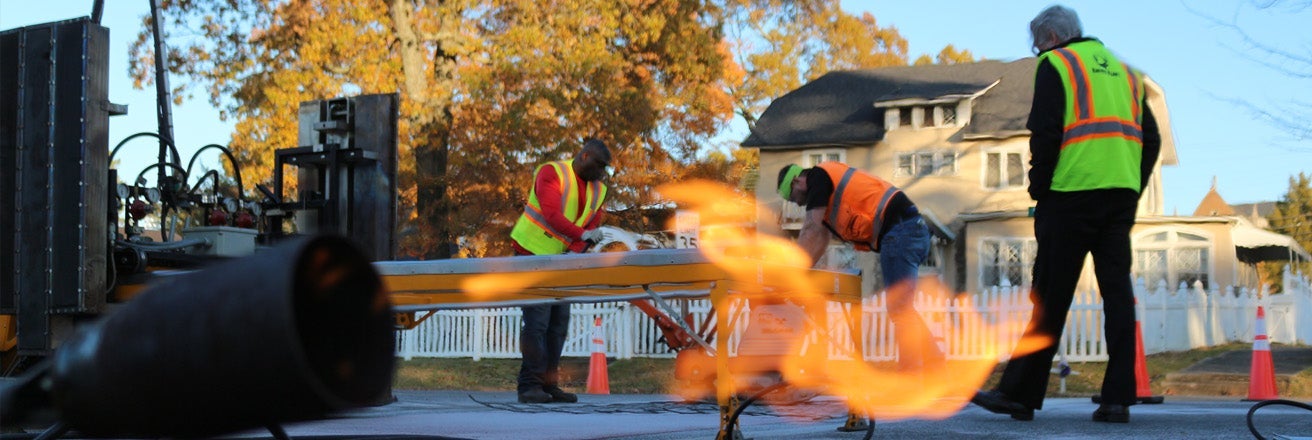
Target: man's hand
x=593, y=236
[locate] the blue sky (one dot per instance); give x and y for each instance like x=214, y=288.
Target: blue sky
x=1201, y=67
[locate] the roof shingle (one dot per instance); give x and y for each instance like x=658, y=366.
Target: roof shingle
x=839, y=107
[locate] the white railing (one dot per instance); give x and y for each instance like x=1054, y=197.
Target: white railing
x=1172, y=320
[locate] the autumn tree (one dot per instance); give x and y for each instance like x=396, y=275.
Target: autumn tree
x=1292, y=217
x=778, y=45
x=949, y=55
x=489, y=90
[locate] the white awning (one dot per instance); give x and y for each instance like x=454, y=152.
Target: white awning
x=1257, y=244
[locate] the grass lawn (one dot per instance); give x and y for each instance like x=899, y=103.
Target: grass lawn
x=654, y=376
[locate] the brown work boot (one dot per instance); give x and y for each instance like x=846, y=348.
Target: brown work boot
x=1112, y=413
x=534, y=395
x=559, y=395
x=998, y=403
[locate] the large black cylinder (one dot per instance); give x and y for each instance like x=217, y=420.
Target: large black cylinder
x=291, y=333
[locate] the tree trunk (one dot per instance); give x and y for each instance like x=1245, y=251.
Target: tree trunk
x=432, y=138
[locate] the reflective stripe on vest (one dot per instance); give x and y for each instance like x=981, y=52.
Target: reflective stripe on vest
x=856, y=208
x=1102, y=136
x=534, y=233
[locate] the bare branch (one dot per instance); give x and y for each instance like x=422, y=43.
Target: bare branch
x=1274, y=58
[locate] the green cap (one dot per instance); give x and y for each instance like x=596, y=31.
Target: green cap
x=786, y=185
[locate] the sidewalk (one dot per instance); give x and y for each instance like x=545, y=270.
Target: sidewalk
x=1226, y=374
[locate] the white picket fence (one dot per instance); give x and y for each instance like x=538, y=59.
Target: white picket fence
x=1172, y=320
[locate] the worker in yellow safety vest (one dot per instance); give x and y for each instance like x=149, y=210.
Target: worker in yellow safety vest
x=1093, y=145
x=562, y=214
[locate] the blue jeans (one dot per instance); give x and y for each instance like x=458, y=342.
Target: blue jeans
x=541, y=341
x=901, y=251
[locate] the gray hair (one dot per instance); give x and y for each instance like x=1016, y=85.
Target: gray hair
x=1059, y=20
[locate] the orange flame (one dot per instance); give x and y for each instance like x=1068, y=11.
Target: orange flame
x=488, y=286
x=728, y=239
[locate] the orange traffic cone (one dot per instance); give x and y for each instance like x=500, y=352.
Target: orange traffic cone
x=598, y=378
x=1262, y=374
x=1142, y=391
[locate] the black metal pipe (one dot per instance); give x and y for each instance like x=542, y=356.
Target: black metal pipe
x=291, y=333
x=172, y=148
x=236, y=168
x=97, y=10
x=163, y=104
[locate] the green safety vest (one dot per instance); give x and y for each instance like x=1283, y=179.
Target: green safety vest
x=532, y=231
x=1102, y=137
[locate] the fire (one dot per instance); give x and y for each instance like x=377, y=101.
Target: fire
x=489, y=286
x=822, y=357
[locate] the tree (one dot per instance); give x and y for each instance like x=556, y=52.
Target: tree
x=777, y=45
x=487, y=90
x=1292, y=217
x=490, y=89
x=1283, y=57
x=949, y=55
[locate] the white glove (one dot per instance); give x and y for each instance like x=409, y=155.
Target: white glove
x=593, y=235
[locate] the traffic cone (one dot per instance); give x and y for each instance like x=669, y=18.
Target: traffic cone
x=598, y=378
x=1262, y=374
x=1143, y=391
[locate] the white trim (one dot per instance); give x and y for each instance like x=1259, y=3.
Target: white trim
x=1002, y=166
x=824, y=154
x=1027, y=266
x=1172, y=243
x=938, y=156
x=938, y=100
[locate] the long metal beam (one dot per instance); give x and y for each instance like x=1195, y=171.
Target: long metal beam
x=603, y=277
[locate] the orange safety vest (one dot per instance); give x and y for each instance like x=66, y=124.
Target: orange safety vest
x=534, y=233
x=856, y=209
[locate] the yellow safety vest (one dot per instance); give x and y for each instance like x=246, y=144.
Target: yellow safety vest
x=532, y=231
x=1102, y=139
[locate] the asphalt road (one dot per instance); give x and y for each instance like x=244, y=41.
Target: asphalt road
x=496, y=415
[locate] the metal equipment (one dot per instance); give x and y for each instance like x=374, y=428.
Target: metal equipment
x=307, y=331
x=54, y=114
x=346, y=173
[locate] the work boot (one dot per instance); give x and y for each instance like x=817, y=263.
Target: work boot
x=998, y=403
x=559, y=395
x=534, y=395
x=1112, y=413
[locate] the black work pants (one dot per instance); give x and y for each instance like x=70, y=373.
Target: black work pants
x=540, y=342
x=1069, y=226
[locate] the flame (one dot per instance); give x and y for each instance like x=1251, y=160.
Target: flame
x=489, y=286
x=935, y=391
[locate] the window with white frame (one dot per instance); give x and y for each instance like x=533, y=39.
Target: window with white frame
x=814, y=157
x=947, y=115
x=1173, y=257
x=1006, y=260
x=1004, y=169
x=927, y=163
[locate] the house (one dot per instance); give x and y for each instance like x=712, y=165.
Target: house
x=953, y=137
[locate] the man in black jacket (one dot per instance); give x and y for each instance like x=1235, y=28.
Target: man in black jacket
x=1093, y=147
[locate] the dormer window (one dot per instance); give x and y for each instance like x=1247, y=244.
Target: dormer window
x=947, y=114
x=904, y=117
x=922, y=114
